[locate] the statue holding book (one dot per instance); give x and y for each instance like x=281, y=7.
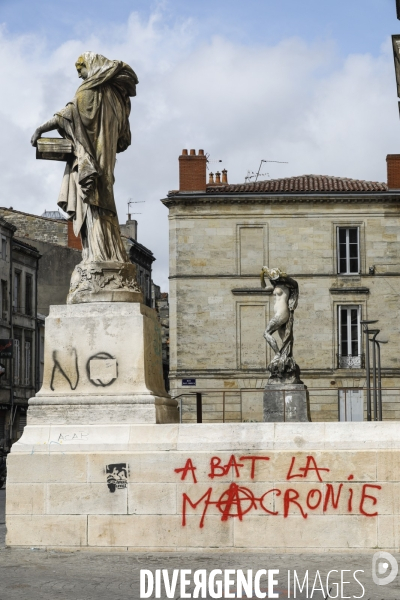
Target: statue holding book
x=96, y=125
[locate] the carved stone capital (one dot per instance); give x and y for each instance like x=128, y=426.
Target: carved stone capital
x=104, y=282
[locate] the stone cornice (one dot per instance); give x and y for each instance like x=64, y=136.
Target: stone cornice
x=349, y=290
x=293, y=198
x=251, y=291
x=294, y=275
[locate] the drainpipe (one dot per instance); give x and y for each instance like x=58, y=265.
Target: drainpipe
x=37, y=335
x=12, y=337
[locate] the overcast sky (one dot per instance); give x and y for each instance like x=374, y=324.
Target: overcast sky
x=310, y=82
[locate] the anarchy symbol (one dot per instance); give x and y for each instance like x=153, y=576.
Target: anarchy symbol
x=236, y=502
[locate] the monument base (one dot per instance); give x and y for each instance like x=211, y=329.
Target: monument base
x=240, y=487
x=286, y=403
x=102, y=364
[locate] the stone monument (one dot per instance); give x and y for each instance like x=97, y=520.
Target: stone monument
x=102, y=359
x=285, y=395
x=102, y=463
x=102, y=350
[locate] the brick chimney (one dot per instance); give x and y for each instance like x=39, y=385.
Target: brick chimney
x=393, y=171
x=192, y=171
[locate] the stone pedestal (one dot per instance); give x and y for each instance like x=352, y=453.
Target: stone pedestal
x=295, y=487
x=285, y=403
x=102, y=364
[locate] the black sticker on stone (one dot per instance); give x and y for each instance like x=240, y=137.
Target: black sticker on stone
x=117, y=476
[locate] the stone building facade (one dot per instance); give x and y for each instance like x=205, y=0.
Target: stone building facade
x=140, y=256
x=60, y=250
x=52, y=230
x=27, y=292
x=20, y=323
x=161, y=305
x=339, y=238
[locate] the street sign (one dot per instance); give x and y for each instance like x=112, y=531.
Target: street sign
x=6, y=348
x=188, y=382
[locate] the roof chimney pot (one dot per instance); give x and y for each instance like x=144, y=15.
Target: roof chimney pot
x=224, y=176
x=393, y=171
x=193, y=153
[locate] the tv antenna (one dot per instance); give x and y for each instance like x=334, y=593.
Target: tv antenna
x=130, y=201
x=212, y=161
x=255, y=176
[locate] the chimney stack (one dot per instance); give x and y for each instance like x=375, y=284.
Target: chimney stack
x=224, y=176
x=218, y=178
x=192, y=171
x=393, y=171
x=211, y=179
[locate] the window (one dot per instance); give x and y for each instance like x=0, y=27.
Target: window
x=349, y=356
x=28, y=371
x=17, y=361
x=5, y=379
x=21, y=422
x=17, y=291
x=3, y=248
x=348, y=250
x=4, y=299
x=28, y=294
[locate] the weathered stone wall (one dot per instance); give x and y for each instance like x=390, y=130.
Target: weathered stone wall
x=35, y=227
x=218, y=310
x=238, y=487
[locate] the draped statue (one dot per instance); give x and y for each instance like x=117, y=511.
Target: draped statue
x=96, y=122
x=283, y=368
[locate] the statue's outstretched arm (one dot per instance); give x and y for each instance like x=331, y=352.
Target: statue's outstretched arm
x=48, y=126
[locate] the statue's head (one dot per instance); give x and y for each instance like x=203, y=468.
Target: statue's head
x=274, y=274
x=82, y=68
x=90, y=64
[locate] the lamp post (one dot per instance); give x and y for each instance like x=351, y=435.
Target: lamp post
x=365, y=330
x=378, y=348
x=374, y=333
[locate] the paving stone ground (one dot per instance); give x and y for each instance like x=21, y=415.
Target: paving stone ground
x=40, y=575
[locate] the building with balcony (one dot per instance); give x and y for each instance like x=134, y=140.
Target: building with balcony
x=338, y=237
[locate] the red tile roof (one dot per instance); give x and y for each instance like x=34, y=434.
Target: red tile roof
x=313, y=184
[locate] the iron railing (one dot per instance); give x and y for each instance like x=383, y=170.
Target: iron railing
x=352, y=361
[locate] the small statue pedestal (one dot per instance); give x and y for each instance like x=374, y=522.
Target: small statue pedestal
x=285, y=403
